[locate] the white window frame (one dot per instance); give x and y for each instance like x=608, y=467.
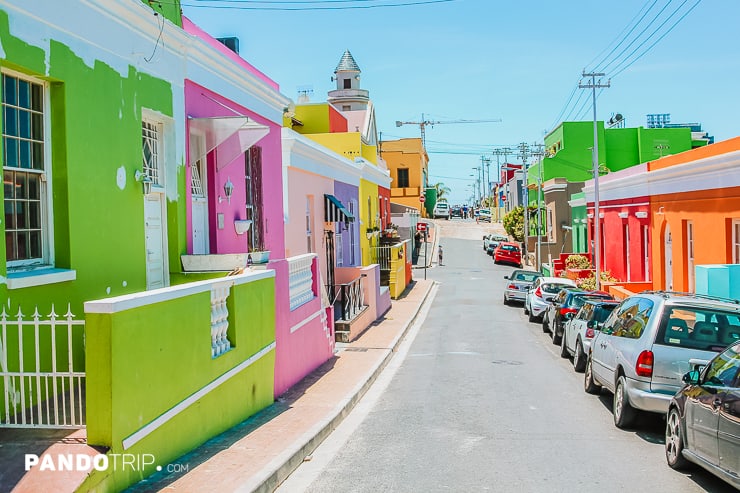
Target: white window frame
x=646, y=250
x=628, y=259
x=339, y=246
x=736, y=241
x=352, y=237
x=309, y=223
x=45, y=192
x=690, y=254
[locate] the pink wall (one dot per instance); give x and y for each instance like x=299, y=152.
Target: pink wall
x=298, y=353
x=201, y=102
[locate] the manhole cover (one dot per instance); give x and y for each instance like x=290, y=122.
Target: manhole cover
x=506, y=362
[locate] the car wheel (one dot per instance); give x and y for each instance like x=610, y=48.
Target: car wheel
x=506, y=302
x=526, y=308
x=674, y=440
x=579, y=358
x=563, y=348
x=531, y=317
x=545, y=325
x=589, y=385
x=624, y=414
x=556, y=339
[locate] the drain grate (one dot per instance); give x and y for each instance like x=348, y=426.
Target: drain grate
x=356, y=349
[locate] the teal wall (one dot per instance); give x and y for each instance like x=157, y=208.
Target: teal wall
x=96, y=116
x=718, y=280
x=144, y=361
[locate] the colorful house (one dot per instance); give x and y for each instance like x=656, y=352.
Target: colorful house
x=408, y=164
x=141, y=225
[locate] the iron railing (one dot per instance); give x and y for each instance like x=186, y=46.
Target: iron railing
x=348, y=299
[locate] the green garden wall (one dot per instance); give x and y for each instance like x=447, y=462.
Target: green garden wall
x=143, y=361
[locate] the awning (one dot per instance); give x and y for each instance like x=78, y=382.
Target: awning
x=334, y=210
x=233, y=135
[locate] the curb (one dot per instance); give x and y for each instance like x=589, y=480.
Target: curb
x=313, y=438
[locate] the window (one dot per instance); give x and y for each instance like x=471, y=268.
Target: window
x=339, y=247
x=151, y=134
x=309, y=224
x=696, y=328
x=736, y=241
x=25, y=168
x=347, y=83
x=352, y=226
x=403, y=177
x=723, y=370
x=690, y=254
x=346, y=107
x=253, y=188
x=630, y=319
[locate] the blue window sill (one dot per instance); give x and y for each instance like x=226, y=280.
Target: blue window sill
x=39, y=277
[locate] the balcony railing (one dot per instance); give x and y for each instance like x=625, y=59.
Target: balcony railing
x=301, y=279
x=349, y=299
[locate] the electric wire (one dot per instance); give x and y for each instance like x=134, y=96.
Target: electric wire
x=301, y=9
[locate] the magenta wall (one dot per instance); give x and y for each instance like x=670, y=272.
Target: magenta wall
x=200, y=102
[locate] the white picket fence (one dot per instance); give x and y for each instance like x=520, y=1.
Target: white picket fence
x=42, y=370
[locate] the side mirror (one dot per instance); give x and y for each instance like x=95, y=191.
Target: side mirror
x=692, y=377
x=569, y=316
x=506, y=277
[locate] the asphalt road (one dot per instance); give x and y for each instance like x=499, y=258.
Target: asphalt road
x=479, y=399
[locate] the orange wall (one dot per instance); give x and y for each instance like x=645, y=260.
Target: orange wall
x=711, y=212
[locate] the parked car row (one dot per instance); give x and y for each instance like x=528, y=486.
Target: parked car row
x=676, y=354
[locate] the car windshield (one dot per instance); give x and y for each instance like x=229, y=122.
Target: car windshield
x=698, y=328
x=526, y=276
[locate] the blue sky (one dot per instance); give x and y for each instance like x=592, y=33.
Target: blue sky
x=484, y=59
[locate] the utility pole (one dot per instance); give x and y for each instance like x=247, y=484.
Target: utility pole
x=593, y=85
x=485, y=164
x=524, y=155
x=539, y=153
x=497, y=153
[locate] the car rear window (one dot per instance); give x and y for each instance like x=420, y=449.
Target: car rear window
x=698, y=328
x=603, y=311
x=526, y=276
x=553, y=288
x=578, y=300
x=510, y=248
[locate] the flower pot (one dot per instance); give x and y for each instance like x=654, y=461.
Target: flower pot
x=213, y=262
x=259, y=257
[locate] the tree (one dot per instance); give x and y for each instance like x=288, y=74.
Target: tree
x=442, y=190
x=514, y=221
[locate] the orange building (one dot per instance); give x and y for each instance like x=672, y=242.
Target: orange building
x=407, y=163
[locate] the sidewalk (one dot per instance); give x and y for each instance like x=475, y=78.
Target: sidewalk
x=260, y=453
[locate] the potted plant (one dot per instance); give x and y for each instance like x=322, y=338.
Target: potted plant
x=372, y=231
x=258, y=256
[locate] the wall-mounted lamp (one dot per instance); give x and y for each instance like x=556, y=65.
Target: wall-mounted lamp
x=661, y=210
x=145, y=180
x=228, y=191
x=590, y=215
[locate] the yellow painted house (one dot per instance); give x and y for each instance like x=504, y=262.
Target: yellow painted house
x=407, y=162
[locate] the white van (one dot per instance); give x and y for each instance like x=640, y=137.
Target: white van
x=442, y=209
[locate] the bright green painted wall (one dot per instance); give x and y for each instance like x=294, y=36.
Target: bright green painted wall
x=146, y=360
x=95, y=129
x=170, y=9
x=578, y=223
x=677, y=139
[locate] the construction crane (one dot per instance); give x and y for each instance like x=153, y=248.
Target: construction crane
x=430, y=123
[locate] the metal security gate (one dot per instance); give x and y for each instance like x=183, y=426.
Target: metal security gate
x=42, y=371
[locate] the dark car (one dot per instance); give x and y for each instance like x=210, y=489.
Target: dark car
x=569, y=300
x=508, y=252
x=456, y=211
x=703, y=420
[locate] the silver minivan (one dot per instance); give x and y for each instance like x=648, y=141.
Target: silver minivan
x=648, y=343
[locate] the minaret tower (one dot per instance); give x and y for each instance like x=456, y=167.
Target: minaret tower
x=348, y=96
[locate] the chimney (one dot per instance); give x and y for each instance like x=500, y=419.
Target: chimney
x=231, y=43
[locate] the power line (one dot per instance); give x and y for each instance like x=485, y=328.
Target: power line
x=348, y=7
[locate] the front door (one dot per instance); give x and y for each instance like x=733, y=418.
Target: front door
x=668, y=259
x=198, y=194
x=154, y=241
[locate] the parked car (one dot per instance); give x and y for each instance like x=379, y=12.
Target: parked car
x=647, y=342
x=539, y=295
x=508, y=252
x=569, y=300
x=703, y=423
x=493, y=241
x=580, y=328
x=441, y=210
x=484, y=215
x=456, y=211
x=518, y=285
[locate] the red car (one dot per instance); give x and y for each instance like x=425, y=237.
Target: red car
x=508, y=252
